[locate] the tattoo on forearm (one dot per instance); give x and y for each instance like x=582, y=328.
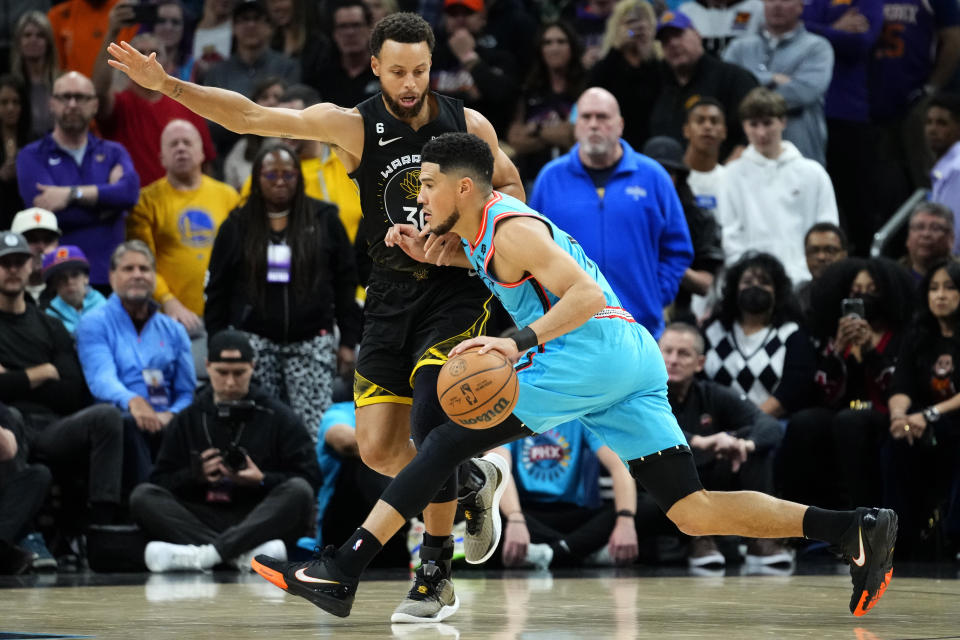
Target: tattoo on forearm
x=177, y=91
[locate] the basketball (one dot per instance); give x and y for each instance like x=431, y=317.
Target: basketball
x=477, y=390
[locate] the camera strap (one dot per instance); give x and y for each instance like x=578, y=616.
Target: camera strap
x=206, y=431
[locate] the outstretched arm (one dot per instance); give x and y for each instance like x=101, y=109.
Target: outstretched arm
x=324, y=122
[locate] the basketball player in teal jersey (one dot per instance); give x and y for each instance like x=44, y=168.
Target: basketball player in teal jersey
x=414, y=312
x=580, y=356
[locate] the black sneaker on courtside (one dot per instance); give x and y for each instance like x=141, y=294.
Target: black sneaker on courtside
x=868, y=547
x=318, y=580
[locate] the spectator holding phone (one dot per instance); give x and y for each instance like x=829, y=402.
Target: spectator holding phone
x=80, y=27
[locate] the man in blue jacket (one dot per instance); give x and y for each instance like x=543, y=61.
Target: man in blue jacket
x=88, y=182
x=136, y=358
x=622, y=207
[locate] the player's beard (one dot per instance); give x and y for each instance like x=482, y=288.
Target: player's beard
x=447, y=224
x=405, y=113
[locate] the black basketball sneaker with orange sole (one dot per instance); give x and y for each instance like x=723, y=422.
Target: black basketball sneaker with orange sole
x=319, y=580
x=868, y=547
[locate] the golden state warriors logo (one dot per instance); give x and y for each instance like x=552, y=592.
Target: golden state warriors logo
x=196, y=227
x=546, y=456
x=400, y=184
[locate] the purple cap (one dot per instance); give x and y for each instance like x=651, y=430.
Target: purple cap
x=673, y=20
x=62, y=258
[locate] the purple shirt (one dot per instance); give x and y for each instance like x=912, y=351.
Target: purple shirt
x=847, y=96
x=97, y=229
x=903, y=58
x=945, y=178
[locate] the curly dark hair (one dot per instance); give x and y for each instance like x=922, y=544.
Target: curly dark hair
x=786, y=308
x=401, y=27
x=925, y=327
x=538, y=80
x=461, y=151
x=894, y=286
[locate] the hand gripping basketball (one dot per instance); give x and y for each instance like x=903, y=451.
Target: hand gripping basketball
x=477, y=390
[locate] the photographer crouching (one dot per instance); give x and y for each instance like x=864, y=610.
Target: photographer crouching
x=236, y=475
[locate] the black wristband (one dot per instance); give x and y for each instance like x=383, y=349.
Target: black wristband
x=526, y=339
x=624, y=513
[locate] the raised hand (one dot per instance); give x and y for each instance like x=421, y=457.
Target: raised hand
x=144, y=70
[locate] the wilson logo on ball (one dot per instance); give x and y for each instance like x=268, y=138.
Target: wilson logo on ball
x=478, y=390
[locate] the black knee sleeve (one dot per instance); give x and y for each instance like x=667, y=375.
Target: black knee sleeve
x=437, y=459
x=425, y=416
x=668, y=476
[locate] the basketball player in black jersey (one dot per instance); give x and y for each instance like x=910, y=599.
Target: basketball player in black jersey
x=414, y=313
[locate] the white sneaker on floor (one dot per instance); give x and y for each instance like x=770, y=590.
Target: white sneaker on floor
x=539, y=556
x=165, y=556
x=273, y=548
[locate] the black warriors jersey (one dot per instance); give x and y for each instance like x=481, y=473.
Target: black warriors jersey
x=389, y=175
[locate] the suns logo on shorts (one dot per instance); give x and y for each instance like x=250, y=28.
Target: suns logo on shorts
x=546, y=456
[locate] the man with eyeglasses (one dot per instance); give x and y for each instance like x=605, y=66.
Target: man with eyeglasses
x=824, y=244
x=343, y=76
x=88, y=182
x=929, y=238
x=134, y=116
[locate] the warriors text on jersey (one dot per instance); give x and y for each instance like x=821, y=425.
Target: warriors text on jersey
x=389, y=174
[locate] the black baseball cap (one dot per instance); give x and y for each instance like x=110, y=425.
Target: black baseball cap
x=233, y=342
x=667, y=151
x=243, y=6
x=13, y=243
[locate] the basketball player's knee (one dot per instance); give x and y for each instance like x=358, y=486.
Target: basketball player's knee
x=691, y=514
x=383, y=457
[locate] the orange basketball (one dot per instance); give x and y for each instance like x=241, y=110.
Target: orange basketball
x=478, y=390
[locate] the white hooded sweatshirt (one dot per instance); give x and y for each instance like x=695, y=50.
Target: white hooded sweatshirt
x=768, y=205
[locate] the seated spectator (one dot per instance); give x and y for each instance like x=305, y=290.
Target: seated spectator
x=468, y=65
x=589, y=19
x=252, y=58
x=135, y=116
x=794, y=63
x=755, y=343
x=929, y=238
x=177, y=218
x=541, y=128
x=857, y=353
x=645, y=261
x=705, y=131
x=704, y=231
x=553, y=511
x=213, y=36
x=236, y=475
x=80, y=26
x=35, y=62
x=733, y=442
x=921, y=463
x=136, y=359
x=41, y=378
x=170, y=30
x=343, y=75
x=88, y=182
x=67, y=273
x=39, y=227
x=23, y=488
x=824, y=244
x=14, y=135
x=379, y=9
x=942, y=132
x=630, y=67
x=282, y=269
x=719, y=22
x=291, y=32
x=771, y=194
x=236, y=166
x=690, y=74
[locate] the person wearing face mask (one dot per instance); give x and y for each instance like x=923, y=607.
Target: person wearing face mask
x=857, y=350
x=755, y=343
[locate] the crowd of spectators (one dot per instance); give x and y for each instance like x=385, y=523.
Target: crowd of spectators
x=725, y=164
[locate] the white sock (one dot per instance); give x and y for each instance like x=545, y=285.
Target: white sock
x=208, y=555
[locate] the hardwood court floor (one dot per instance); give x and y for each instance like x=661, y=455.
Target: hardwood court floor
x=503, y=606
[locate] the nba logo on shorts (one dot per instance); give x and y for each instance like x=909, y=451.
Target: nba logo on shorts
x=356, y=545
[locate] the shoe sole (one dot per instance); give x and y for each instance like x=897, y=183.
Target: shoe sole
x=445, y=612
x=328, y=604
x=494, y=509
x=717, y=560
x=885, y=566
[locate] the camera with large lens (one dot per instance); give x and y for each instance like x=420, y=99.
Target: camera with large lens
x=234, y=458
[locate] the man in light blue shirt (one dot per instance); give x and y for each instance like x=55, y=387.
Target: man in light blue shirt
x=942, y=131
x=135, y=357
x=795, y=63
